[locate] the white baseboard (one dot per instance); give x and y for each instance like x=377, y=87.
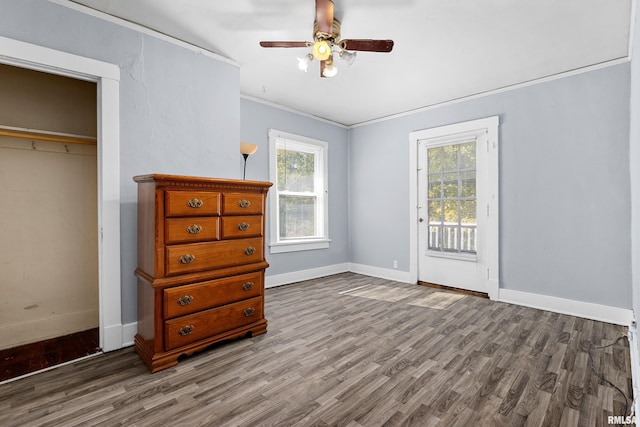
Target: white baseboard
x=587, y=310
x=111, y=338
x=299, y=276
x=129, y=331
x=118, y=336
x=383, y=273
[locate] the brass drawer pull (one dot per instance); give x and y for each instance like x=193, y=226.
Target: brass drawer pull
x=243, y=226
x=185, y=300
x=248, y=312
x=195, y=203
x=247, y=286
x=250, y=250
x=186, y=330
x=244, y=203
x=194, y=229
x=187, y=259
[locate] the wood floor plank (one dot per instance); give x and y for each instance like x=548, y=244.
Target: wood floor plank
x=351, y=350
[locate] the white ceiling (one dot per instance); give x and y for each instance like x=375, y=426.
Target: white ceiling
x=444, y=49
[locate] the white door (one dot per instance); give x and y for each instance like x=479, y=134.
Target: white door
x=457, y=191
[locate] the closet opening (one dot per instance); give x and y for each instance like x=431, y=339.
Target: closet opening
x=49, y=249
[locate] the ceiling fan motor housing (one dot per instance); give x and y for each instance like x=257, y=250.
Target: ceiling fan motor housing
x=334, y=37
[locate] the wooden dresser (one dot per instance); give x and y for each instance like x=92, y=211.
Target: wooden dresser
x=200, y=264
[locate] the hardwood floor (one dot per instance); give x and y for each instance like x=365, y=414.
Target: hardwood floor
x=351, y=350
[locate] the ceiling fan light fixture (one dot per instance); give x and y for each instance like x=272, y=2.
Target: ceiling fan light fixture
x=321, y=50
x=347, y=56
x=329, y=70
x=303, y=63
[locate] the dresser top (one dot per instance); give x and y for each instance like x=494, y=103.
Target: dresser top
x=163, y=180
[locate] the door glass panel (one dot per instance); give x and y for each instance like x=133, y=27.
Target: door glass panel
x=449, y=158
x=468, y=184
x=451, y=212
x=450, y=185
x=435, y=211
x=435, y=159
x=435, y=187
x=468, y=212
x=451, y=198
x=468, y=155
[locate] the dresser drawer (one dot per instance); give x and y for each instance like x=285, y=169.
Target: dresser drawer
x=193, y=257
x=194, y=327
x=185, y=230
x=188, y=299
x=241, y=204
x=241, y=226
x=192, y=203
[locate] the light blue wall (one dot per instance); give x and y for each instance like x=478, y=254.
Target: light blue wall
x=256, y=120
x=564, y=185
x=179, y=110
x=634, y=162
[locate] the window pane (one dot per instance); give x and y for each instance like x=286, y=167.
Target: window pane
x=297, y=216
x=468, y=184
x=468, y=212
x=435, y=211
x=451, y=198
x=434, y=156
x=467, y=155
x=451, y=211
x=295, y=171
x=450, y=157
x=435, y=234
x=450, y=185
x=435, y=186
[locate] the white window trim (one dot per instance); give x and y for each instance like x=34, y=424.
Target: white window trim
x=322, y=242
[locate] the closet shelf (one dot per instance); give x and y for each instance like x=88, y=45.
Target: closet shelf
x=47, y=136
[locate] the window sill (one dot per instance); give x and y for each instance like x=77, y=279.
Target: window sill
x=298, y=245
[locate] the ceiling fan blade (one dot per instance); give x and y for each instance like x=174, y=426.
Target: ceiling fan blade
x=285, y=44
x=324, y=16
x=366, y=45
x=322, y=65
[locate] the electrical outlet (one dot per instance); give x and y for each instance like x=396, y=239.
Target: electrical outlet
x=395, y=263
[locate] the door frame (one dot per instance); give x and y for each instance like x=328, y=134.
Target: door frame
x=490, y=126
x=107, y=77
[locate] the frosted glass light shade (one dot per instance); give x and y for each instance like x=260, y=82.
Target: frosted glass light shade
x=321, y=50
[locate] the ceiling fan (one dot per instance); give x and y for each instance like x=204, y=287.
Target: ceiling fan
x=326, y=36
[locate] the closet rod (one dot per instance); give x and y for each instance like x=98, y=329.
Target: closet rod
x=46, y=136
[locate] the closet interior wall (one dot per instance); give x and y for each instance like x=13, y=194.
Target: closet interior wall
x=48, y=213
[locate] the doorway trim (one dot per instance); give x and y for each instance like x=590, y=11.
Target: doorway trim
x=107, y=77
x=489, y=125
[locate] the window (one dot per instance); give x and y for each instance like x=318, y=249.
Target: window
x=451, y=198
x=298, y=200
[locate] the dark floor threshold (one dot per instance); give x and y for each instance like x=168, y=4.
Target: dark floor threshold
x=457, y=290
x=27, y=358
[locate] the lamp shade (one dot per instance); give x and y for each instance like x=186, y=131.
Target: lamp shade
x=247, y=148
x=321, y=50
x=303, y=63
x=330, y=70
